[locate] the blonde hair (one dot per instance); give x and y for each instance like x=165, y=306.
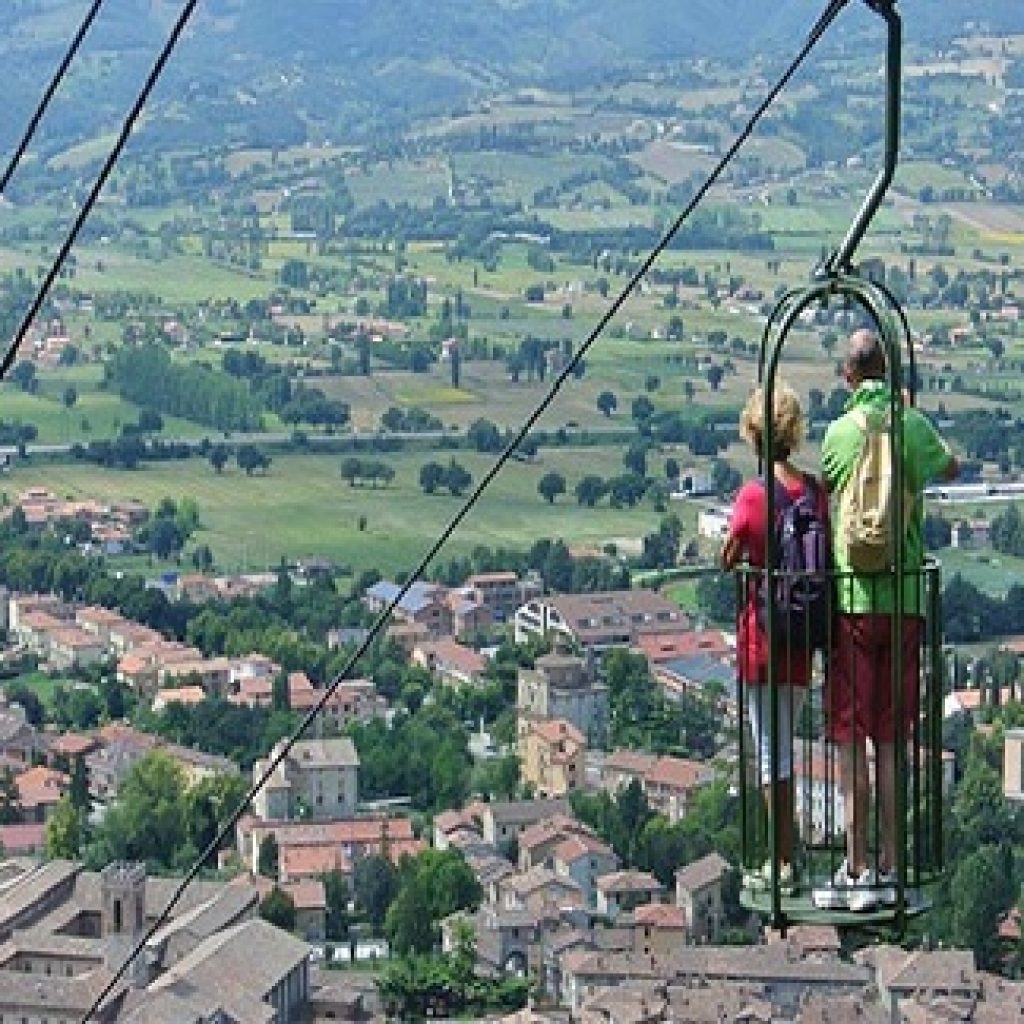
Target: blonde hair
x=787, y=420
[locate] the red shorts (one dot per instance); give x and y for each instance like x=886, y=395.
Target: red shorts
x=792, y=664
x=859, y=693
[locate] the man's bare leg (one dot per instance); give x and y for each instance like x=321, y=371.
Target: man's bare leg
x=886, y=753
x=853, y=780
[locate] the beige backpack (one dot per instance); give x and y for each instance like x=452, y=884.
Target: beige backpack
x=866, y=502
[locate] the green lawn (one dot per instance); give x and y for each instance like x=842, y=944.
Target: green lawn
x=302, y=507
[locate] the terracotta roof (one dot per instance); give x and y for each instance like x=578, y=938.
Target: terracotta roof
x=544, y=831
x=22, y=838
x=73, y=744
x=702, y=872
x=312, y=861
x=660, y=915
x=628, y=881
x=40, y=786
x=180, y=695
x=577, y=846
x=677, y=773
x=668, y=646
x=308, y=894
x=557, y=730
x=631, y=762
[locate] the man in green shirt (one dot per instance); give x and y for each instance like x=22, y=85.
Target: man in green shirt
x=859, y=699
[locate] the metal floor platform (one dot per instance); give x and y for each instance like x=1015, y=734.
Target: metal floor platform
x=800, y=909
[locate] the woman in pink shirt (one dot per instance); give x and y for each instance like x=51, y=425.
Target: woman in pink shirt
x=747, y=538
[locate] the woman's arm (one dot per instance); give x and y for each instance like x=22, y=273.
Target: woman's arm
x=732, y=551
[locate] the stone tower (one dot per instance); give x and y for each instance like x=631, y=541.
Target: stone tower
x=123, y=915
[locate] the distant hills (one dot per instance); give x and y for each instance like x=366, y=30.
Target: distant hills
x=285, y=68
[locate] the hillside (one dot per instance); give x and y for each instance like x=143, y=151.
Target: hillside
x=268, y=72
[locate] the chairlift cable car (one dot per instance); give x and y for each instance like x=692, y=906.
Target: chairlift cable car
x=818, y=810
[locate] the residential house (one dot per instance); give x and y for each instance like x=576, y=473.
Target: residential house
x=659, y=928
x=446, y=823
x=469, y=617
x=188, y=695
x=503, y=820
x=452, y=663
x=584, y=859
x=699, y=893
x=213, y=675
x=302, y=863
x=507, y=941
x=672, y=782
x=1013, y=764
x=126, y=636
x=251, y=668
x=23, y=839
x=72, y=648
x=598, y=621
x=669, y=783
x=553, y=757
x=40, y=789
x=622, y=892
x=120, y=749
x=354, y=700
x=98, y=622
x=562, y=686
x=140, y=668
x=537, y=890
x=537, y=843
x=318, y=778
x=354, y=837
x=18, y=738
x=426, y=604
x=501, y=592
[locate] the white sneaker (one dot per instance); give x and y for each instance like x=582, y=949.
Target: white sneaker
x=835, y=896
x=866, y=894
x=887, y=888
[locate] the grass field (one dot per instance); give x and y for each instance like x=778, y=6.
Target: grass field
x=302, y=506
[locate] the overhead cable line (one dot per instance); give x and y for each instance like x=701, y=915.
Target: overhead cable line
x=108, y=166
x=284, y=748
x=48, y=95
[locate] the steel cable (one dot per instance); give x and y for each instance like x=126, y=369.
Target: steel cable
x=108, y=166
x=49, y=93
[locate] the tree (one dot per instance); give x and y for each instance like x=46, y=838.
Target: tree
x=78, y=792
x=642, y=409
x=550, y=486
x=219, y=456
x=64, y=831
x=250, y=459
x=69, y=397
x=351, y=470
x=209, y=805
x=590, y=490
x=278, y=908
x=165, y=538
x=269, y=856
x=457, y=478
x=607, y=403
x=714, y=376
x=336, y=895
x=981, y=890
x=455, y=358
x=432, y=476
x=148, y=821
x=484, y=436
x=374, y=885
x=635, y=458
x=10, y=805
x=24, y=375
